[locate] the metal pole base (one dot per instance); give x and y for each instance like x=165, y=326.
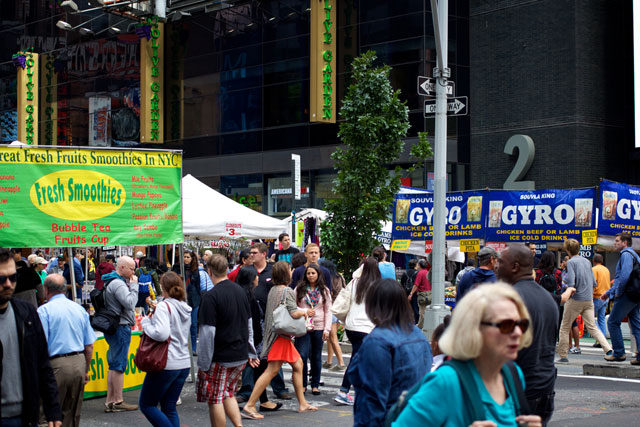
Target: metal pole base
x=433, y=316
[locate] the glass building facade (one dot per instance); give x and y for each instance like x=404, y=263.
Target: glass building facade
x=238, y=90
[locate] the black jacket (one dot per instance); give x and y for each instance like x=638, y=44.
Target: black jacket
x=38, y=380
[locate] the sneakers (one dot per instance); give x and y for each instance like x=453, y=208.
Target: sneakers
x=575, y=350
x=611, y=358
x=562, y=360
x=597, y=345
x=344, y=398
x=635, y=362
x=326, y=365
x=339, y=368
x=120, y=407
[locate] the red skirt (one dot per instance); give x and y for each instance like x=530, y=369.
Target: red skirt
x=283, y=350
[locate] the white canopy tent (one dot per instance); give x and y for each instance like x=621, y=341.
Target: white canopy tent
x=208, y=214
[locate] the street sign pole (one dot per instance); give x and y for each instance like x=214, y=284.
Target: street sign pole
x=438, y=310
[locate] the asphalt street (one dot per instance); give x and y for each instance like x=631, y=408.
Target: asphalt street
x=580, y=401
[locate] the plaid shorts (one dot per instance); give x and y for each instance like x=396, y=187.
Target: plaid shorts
x=218, y=383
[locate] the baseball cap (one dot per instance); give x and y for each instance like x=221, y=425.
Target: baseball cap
x=40, y=260
x=487, y=252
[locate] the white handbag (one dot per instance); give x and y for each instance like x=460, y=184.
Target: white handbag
x=284, y=324
x=342, y=304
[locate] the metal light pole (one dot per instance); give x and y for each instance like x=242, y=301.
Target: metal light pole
x=438, y=310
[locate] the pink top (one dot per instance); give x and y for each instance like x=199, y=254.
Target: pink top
x=322, y=319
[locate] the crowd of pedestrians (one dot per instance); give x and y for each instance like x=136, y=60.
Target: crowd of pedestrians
x=494, y=357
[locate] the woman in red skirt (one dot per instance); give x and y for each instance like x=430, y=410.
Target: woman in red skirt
x=278, y=349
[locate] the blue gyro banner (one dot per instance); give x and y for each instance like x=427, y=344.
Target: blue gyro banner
x=465, y=215
x=541, y=216
x=619, y=209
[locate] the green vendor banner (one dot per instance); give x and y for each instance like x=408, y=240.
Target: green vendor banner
x=69, y=196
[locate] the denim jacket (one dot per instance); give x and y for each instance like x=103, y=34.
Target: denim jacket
x=388, y=362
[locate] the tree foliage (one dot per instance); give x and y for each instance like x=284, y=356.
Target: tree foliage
x=375, y=121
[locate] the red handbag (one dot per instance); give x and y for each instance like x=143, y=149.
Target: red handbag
x=152, y=355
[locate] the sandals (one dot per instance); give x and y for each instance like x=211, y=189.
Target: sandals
x=265, y=409
x=250, y=415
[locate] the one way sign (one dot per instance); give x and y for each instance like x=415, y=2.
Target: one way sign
x=458, y=106
x=427, y=87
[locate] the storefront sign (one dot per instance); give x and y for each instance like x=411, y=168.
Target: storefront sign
x=619, y=209
x=540, y=216
x=100, y=121
x=75, y=197
x=97, y=385
x=233, y=230
x=400, y=245
x=218, y=244
x=323, y=61
x=28, y=99
x=49, y=98
x=498, y=247
x=152, y=84
x=465, y=214
x=428, y=246
x=469, y=245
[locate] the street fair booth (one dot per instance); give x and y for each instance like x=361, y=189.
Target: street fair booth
x=499, y=218
x=211, y=215
x=70, y=197
x=307, y=226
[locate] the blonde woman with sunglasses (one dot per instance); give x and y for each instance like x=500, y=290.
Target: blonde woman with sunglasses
x=487, y=329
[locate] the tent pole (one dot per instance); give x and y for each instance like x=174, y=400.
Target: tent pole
x=72, y=274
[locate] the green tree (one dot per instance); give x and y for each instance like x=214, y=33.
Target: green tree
x=375, y=121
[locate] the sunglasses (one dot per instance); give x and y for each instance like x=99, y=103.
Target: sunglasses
x=12, y=278
x=508, y=325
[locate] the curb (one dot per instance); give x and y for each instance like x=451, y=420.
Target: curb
x=616, y=371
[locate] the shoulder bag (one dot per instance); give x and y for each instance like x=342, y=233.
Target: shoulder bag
x=342, y=304
x=152, y=355
x=284, y=324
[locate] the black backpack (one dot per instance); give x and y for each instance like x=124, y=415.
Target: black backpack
x=549, y=282
x=632, y=290
x=104, y=320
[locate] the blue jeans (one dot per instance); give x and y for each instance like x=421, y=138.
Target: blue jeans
x=599, y=308
x=310, y=347
x=623, y=306
x=162, y=387
x=118, y=348
x=355, y=338
x=194, y=328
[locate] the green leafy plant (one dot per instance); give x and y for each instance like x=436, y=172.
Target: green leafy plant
x=375, y=121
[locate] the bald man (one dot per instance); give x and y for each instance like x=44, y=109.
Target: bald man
x=121, y=296
x=514, y=266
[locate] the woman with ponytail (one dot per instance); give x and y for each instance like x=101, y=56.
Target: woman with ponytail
x=171, y=320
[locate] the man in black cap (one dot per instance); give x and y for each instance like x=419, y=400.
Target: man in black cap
x=487, y=259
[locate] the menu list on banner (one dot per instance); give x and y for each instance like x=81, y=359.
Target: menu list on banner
x=413, y=215
x=61, y=197
x=540, y=216
x=619, y=209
